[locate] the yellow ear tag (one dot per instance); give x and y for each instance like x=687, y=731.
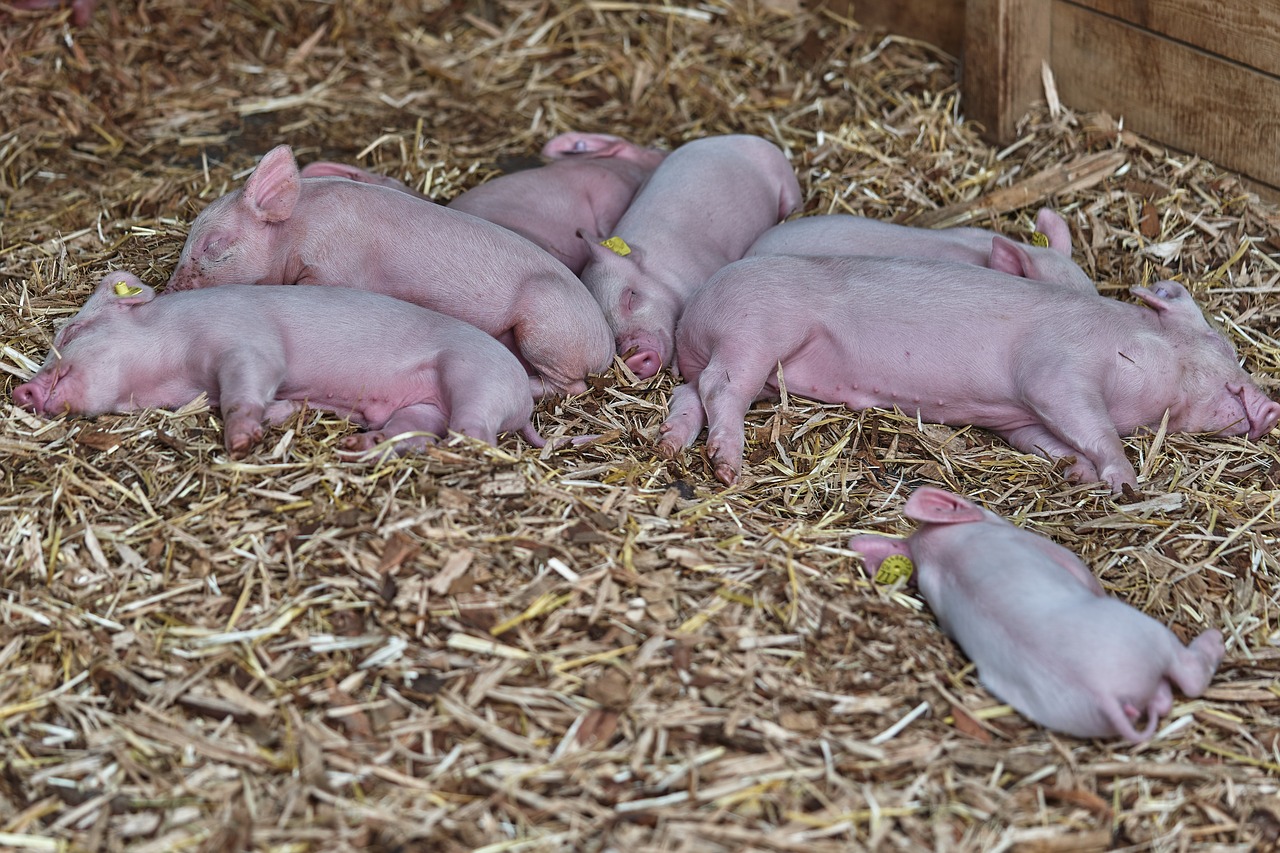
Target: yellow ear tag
x=895, y=567
x=123, y=289
x=1039, y=238
x=617, y=245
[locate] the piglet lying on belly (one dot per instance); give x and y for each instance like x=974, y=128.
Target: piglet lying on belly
x=1045, y=637
x=262, y=352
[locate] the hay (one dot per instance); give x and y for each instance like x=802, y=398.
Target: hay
x=587, y=648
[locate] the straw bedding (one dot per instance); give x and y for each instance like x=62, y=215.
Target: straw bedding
x=587, y=648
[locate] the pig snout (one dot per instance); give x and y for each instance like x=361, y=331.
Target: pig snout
x=30, y=396
x=644, y=353
x=1261, y=412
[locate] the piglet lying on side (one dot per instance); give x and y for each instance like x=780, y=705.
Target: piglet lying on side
x=843, y=234
x=1056, y=371
x=262, y=352
x=281, y=229
x=586, y=186
x=1045, y=637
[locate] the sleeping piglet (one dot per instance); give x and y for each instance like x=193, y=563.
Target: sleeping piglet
x=702, y=208
x=586, y=186
x=844, y=234
x=1045, y=637
x=281, y=229
x=262, y=352
x=1057, y=371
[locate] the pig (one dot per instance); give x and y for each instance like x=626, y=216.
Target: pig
x=586, y=186
x=843, y=234
x=263, y=352
x=1054, y=370
x=701, y=209
x=1045, y=637
x=281, y=229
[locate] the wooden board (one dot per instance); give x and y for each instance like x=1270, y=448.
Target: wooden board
x=1247, y=31
x=1186, y=98
x=939, y=22
x=1005, y=42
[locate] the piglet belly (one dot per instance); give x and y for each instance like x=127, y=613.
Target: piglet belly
x=366, y=403
x=929, y=392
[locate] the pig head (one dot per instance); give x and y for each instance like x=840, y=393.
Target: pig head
x=1045, y=637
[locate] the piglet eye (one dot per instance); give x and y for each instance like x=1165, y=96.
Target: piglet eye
x=631, y=299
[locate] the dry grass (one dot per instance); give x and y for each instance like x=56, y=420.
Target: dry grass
x=582, y=649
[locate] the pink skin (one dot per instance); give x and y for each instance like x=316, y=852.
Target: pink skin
x=262, y=352
x=1054, y=370
x=586, y=187
x=81, y=10
x=280, y=229
x=1045, y=637
x=839, y=234
x=703, y=208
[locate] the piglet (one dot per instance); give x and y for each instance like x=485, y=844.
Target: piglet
x=280, y=229
x=1056, y=371
x=703, y=208
x=261, y=353
x=1045, y=637
x=586, y=186
x=843, y=234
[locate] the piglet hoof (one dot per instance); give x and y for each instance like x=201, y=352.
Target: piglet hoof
x=725, y=472
x=361, y=441
x=240, y=443
x=667, y=449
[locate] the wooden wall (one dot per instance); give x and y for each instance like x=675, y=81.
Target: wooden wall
x=1201, y=76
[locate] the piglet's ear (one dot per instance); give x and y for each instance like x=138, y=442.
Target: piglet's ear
x=1009, y=257
x=575, y=144
x=874, y=549
x=936, y=506
x=1163, y=295
x=272, y=189
x=1053, y=226
x=116, y=291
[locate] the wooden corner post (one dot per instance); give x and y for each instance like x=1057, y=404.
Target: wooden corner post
x=1005, y=42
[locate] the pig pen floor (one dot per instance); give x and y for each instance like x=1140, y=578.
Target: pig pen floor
x=589, y=648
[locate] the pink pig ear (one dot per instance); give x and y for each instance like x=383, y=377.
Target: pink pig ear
x=1164, y=296
x=936, y=506
x=575, y=144
x=117, y=290
x=272, y=189
x=1053, y=226
x=1009, y=257
x=874, y=548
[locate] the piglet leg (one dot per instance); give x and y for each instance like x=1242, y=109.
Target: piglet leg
x=1079, y=418
x=727, y=392
x=685, y=419
x=246, y=386
x=1194, y=665
x=419, y=418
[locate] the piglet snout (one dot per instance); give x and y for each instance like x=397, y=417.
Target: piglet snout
x=1260, y=410
x=644, y=363
x=30, y=397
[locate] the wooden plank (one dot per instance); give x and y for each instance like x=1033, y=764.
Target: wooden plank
x=1005, y=42
x=1247, y=31
x=1178, y=95
x=939, y=22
